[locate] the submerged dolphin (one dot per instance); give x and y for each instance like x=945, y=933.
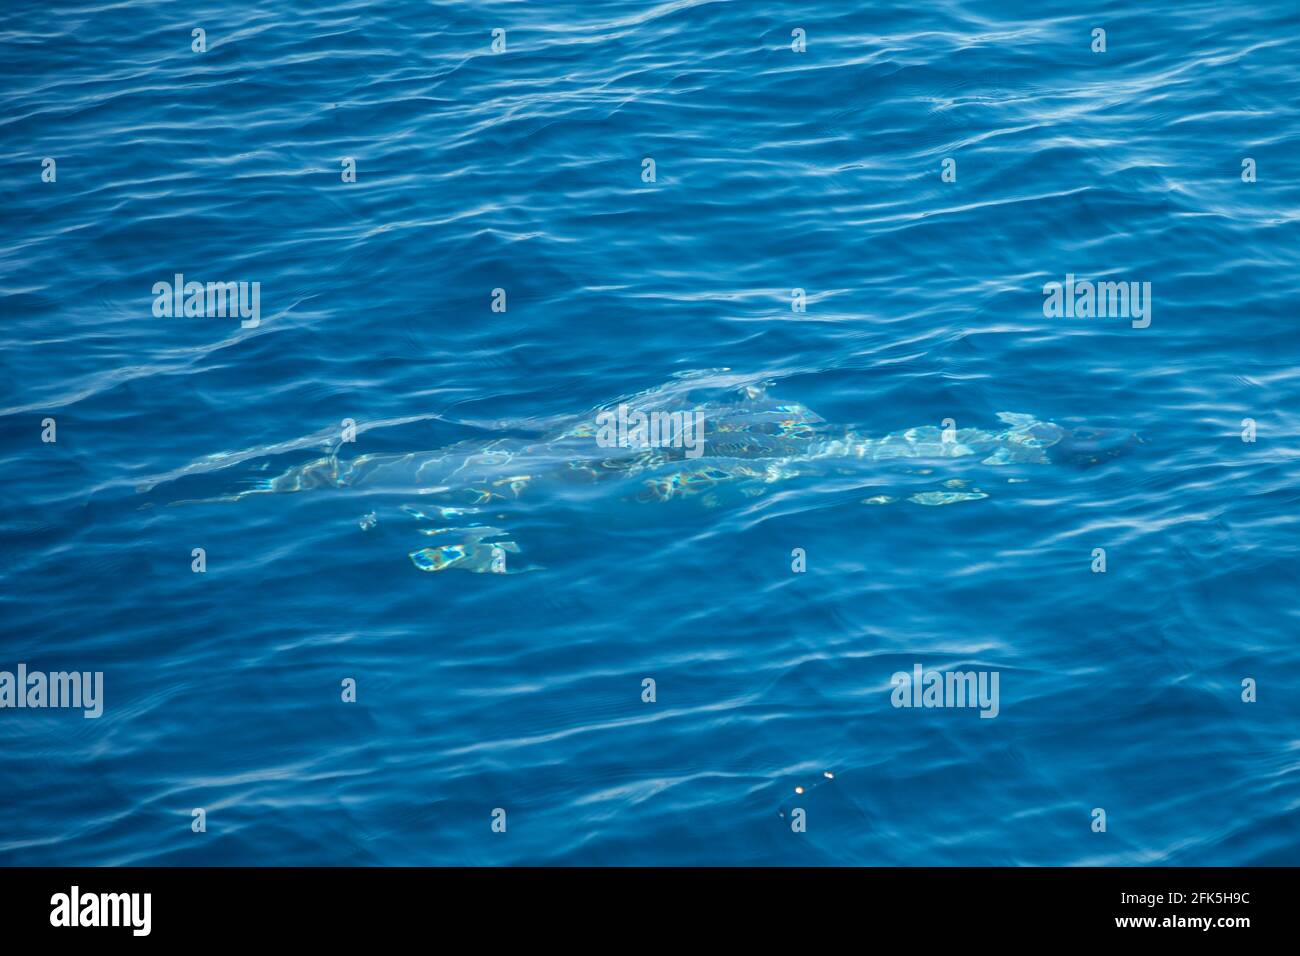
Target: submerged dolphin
x=749, y=442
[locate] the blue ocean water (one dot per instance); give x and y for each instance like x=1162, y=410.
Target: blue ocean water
x=774, y=169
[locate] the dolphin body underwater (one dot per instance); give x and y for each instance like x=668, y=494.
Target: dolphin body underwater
x=749, y=443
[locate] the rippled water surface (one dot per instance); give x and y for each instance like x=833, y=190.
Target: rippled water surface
x=774, y=171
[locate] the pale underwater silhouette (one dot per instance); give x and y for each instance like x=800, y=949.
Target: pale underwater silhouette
x=750, y=443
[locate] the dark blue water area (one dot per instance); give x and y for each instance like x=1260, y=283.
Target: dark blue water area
x=774, y=170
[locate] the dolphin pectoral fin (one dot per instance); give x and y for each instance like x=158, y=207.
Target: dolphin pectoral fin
x=469, y=555
x=438, y=559
x=469, y=547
